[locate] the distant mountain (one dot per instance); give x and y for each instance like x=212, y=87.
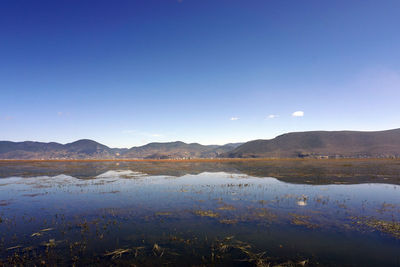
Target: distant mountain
x=89, y=149
x=232, y=145
x=81, y=149
x=317, y=144
x=177, y=150
x=335, y=144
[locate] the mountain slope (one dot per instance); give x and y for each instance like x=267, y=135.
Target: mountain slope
x=323, y=144
x=176, y=150
x=81, y=149
x=339, y=144
x=89, y=149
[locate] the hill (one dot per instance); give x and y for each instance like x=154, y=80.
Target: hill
x=316, y=144
x=89, y=149
x=178, y=150
x=81, y=149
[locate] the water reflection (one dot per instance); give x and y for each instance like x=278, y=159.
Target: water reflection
x=293, y=171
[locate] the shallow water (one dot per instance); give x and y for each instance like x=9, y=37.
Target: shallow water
x=200, y=213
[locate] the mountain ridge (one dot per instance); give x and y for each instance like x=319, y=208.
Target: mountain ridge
x=310, y=144
x=317, y=144
x=90, y=149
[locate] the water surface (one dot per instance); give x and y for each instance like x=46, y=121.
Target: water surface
x=250, y=213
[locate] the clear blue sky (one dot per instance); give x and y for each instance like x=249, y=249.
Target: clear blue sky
x=125, y=73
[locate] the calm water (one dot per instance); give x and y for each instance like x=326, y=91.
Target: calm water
x=287, y=213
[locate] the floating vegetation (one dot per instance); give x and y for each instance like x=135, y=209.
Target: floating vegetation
x=262, y=213
x=388, y=207
x=228, y=221
x=117, y=253
x=388, y=227
x=36, y=234
x=227, y=207
x=14, y=247
x=239, y=251
x=47, y=229
x=51, y=243
x=157, y=250
x=206, y=213
x=302, y=220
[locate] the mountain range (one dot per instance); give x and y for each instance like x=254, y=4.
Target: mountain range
x=89, y=149
x=313, y=144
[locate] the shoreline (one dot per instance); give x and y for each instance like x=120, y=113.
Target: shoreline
x=198, y=160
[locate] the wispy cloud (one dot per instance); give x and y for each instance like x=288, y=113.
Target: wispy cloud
x=298, y=113
x=234, y=118
x=272, y=116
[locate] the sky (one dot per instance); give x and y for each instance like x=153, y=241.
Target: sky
x=126, y=73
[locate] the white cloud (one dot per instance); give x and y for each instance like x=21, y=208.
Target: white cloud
x=234, y=118
x=156, y=135
x=298, y=113
x=272, y=116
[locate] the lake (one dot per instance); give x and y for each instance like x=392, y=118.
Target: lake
x=200, y=213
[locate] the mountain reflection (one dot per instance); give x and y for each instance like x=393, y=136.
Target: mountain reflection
x=292, y=171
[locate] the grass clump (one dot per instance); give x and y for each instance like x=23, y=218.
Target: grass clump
x=206, y=213
x=389, y=227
